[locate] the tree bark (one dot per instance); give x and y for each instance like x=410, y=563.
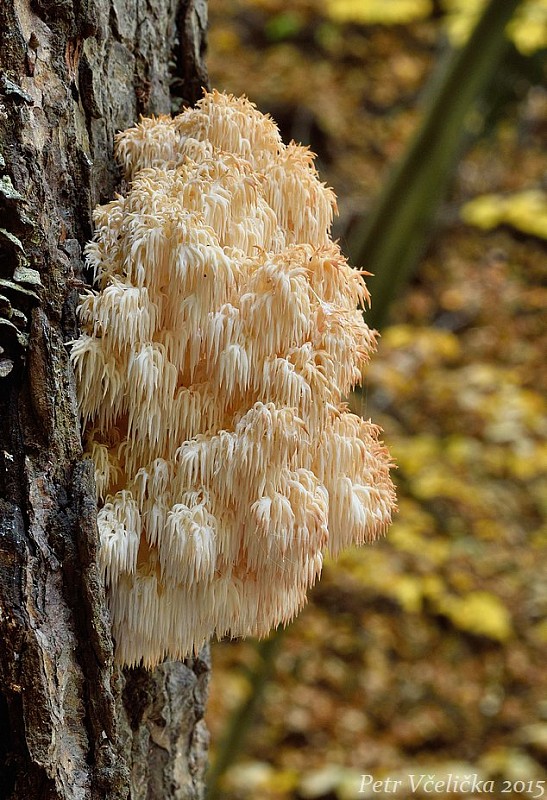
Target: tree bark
x=72, y=725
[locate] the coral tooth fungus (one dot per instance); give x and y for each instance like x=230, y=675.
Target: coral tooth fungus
x=211, y=373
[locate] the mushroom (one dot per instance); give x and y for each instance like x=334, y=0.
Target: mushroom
x=211, y=374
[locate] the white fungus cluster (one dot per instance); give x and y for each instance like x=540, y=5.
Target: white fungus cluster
x=211, y=375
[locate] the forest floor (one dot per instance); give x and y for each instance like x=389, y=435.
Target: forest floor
x=424, y=653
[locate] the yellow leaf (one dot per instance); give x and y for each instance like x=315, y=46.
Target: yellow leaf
x=383, y=12
x=526, y=211
x=481, y=613
x=408, y=592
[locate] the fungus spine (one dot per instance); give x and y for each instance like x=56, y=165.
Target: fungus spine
x=211, y=376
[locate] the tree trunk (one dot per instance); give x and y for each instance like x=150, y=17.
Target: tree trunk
x=72, y=725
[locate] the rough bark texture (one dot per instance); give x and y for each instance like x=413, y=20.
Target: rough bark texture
x=72, y=73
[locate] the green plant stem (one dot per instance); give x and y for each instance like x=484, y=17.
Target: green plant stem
x=391, y=240
x=241, y=719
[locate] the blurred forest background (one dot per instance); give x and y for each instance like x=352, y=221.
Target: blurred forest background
x=427, y=651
